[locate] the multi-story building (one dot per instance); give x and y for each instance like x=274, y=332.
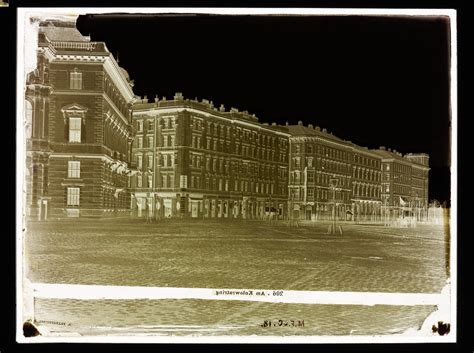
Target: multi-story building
x=419, y=184
x=78, y=127
x=404, y=184
x=320, y=174
x=195, y=160
x=366, y=184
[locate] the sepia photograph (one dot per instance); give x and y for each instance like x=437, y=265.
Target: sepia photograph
x=236, y=175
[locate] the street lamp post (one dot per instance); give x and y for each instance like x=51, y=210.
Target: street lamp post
x=333, y=186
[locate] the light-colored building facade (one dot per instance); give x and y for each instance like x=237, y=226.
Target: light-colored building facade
x=78, y=127
x=197, y=161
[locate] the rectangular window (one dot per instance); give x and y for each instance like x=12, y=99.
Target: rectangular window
x=75, y=129
x=172, y=140
x=165, y=141
x=183, y=181
x=150, y=162
x=150, y=141
x=150, y=181
x=139, y=181
x=310, y=177
x=75, y=81
x=73, y=196
x=310, y=193
x=164, y=181
x=140, y=142
x=140, y=161
x=74, y=169
x=140, y=125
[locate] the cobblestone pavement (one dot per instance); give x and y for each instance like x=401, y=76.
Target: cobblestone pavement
x=235, y=255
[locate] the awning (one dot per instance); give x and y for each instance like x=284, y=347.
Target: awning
x=404, y=201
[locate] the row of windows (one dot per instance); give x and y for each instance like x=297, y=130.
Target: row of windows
x=320, y=150
x=366, y=161
x=166, y=141
x=164, y=160
x=366, y=190
x=216, y=184
x=298, y=194
x=366, y=174
x=323, y=179
x=149, y=125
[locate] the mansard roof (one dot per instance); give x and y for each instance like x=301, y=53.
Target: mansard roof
x=55, y=31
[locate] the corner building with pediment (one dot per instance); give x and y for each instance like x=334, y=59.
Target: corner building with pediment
x=78, y=127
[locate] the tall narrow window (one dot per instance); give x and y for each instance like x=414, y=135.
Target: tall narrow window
x=172, y=140
x=140, y=142
x=150, y=141
x=165, y=141
x=140, y=161
x=75, y=81
x=75, y=129
x=74, y=169
x=73, y=196
x=150, y=181
x=139, y=181
x=150, y=161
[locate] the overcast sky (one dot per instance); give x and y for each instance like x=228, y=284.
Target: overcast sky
x=377, y=81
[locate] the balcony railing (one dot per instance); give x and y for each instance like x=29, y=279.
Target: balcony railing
x=79, y=46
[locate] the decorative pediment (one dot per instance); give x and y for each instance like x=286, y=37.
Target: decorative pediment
x=74, y=110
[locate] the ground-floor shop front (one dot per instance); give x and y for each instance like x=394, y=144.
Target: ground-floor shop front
x=160, y=205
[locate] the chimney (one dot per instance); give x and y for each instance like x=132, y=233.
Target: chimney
x=317, y=128
x=178, y=96
x=286, y=124
x=156, y=99
x=390, y=150
x=222, y=108
x=300, y=123
x=164, y=98
x=325, y=131
x=310, y=126
x=145, y=99
x=274, y=124
x=211, y=104
x=382, y=148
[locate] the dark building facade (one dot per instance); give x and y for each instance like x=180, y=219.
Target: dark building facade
x=78, y=127
x=95, y=149
x=330, y=177
x=197, y=161
x=404, y=184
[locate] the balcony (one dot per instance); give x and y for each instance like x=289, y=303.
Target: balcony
x=96, y=47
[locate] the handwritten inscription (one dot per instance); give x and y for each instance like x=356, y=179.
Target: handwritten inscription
x=282, y=323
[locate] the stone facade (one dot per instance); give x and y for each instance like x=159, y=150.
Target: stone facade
x=78, y=127
x=198, y=161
